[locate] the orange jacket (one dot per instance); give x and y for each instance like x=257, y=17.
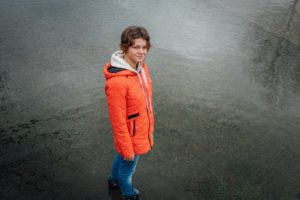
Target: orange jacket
x=130, y=114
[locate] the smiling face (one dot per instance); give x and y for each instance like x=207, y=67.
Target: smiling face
x=137, y=52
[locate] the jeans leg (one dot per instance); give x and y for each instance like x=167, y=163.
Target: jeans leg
x=115, y=167
x=126, y=171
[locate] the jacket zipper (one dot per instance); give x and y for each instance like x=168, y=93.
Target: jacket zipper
x=133, y=128
x=149, y=128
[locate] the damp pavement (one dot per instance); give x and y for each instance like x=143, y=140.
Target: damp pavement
x=226, y=77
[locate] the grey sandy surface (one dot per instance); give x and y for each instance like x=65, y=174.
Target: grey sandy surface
x=226, y=77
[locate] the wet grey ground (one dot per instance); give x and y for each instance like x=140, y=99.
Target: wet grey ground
x=226, y=78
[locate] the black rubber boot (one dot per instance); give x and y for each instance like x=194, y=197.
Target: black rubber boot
x=112, y=184
x=133, y=197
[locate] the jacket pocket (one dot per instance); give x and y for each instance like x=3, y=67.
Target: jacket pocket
x=133, y=116
x=132, y=123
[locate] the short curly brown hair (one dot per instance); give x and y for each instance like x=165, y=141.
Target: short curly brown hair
x=131, y=33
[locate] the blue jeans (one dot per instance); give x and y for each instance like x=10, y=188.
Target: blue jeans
x=122, y=170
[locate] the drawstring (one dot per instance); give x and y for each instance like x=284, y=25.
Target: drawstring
x=148, y=103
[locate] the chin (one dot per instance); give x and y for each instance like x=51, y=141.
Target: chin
x=140, y=59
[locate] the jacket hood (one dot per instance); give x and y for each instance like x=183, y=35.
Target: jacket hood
x=119, y=67
x=117, y=60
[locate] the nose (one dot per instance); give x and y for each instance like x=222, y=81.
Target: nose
x=140, y=50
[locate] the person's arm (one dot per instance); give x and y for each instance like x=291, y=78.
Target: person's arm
x=116, y=98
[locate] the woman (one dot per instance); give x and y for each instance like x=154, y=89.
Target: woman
x=128, y=90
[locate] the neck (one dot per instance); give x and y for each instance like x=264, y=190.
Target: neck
x=132, y=64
